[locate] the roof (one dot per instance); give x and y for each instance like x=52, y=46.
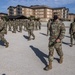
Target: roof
x=18, y=5
x=11, y=6
x=17, y=17
x=71, y=14
x=39, y=6
x=23, y=6
x=60, y=8
x=3, y=13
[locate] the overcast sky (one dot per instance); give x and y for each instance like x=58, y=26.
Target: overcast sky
x=4, y=4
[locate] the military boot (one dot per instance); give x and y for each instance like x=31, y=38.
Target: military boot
x=33, y=38
x=49, y=67
x=71, y=45
x=13, y=31
x=61, y=60
x=7, y=44
x=29, y=39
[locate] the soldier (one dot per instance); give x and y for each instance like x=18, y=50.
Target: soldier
x=57, y=32
x=48, y=26
x=30, y=28
x=35, y=24
x=39, y=24
x=72, y=32
x=14, y=26
x=20, y=26
x=2, y=32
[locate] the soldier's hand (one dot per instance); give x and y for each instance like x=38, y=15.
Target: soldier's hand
x=58, y=40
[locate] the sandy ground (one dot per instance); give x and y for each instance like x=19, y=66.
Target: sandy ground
x=24, y=57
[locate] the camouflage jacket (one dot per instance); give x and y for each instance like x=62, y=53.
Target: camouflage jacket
x=72, y=28
x=57, y=30
x=30, y=25
x=2, y=28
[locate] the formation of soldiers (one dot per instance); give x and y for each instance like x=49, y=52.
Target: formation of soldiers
x=55, y=28
x=18, y=25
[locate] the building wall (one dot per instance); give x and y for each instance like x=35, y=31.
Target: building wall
x=63, y=13
x=71, y=17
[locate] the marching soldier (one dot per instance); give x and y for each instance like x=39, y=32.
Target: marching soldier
x=30, y=28
x=48, y=26
x=57, y=32
x=9, y=23
x=2, y=32
x=14, y=26
x=72, y=32
x=39, y=24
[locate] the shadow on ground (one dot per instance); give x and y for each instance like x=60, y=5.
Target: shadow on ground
x=1, y=43
x=67, y=36
x=26, y=37
x=66, y=43
x=43, y=34
x=3, y=74
x=39, y=54
x=57, y=59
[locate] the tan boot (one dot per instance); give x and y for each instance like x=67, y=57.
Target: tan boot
x=33, y=38
x=49, y=67
x=7, y=44
x=61, y=60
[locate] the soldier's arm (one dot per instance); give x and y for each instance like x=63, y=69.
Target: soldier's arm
x=62, y=31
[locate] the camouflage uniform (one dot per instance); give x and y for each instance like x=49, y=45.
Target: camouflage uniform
x=24, y=24
x=20, y=26
x=14, y=26
x=39, y=24
x=36, y=25
x=9, y=26
x=72, y=33
x=2, y=32
x=48, y=27
x=57, y=32
x=30, y=29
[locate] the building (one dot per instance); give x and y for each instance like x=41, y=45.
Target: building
x=20, y=10
x=2, y=15
x=71, y=16
x=43, y=12
x=62, y=12
x=39, y=11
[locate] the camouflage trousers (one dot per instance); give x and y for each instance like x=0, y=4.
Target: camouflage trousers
x=30, y=33
x=9, y=28
x=57, y=47
x=20, y=28
x=3, y=39
x=72, y=38
x=14, y=29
